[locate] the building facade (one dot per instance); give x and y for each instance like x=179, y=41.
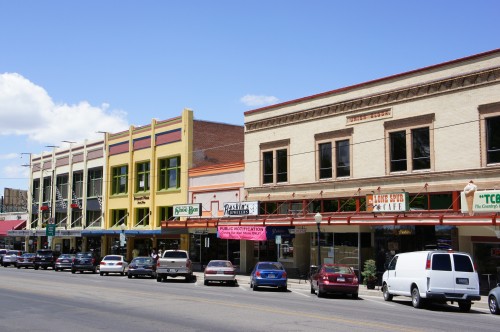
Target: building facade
x=148, y=171
x=384, y=163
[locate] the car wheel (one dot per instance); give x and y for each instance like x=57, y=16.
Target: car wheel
x=45, y=267
x=312, y=290
x=73, y=271
x=319, y=293
x=416, y=300
x=464, y=306
x=101, y=273
x=94, y=270
x=354, y=296
x=158, y=279
x=35, y=267
x=18, y=267
x=493, y=305
x=129, y=276
x=255, y=287
x=284, y=288
x=205, y=282
x=387, y=295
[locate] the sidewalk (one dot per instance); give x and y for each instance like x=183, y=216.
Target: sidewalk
x=244, y=280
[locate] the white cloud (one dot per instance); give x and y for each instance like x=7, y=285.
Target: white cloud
x=9, y=156
x=27, y=109
x=254, y=100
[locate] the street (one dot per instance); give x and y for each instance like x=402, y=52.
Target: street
x=45, y=300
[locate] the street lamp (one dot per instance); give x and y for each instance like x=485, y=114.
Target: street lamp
x=318, y=217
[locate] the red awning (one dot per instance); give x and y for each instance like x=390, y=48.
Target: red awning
x=9, y=225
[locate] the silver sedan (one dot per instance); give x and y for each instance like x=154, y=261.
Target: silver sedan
x=113, y=264
x=220, y=271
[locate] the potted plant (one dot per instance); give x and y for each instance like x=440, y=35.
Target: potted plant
x=369, y=274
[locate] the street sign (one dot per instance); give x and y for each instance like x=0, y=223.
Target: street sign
x=50, y=230
x=122, y=239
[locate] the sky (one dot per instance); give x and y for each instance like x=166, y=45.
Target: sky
x=69, y=69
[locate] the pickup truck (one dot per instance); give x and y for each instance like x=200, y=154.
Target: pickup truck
x=174, y=263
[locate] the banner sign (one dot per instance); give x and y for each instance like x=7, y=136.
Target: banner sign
x=239, y=209
x=393, y=202
x=481, y=201
x=187, y=210
x=254, y=233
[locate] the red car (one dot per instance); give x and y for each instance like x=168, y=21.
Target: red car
x=334, y=278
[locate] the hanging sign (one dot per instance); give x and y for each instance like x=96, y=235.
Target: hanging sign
x=481, y=201
x=255, y=233
x=393, y=202
x=187, y=210
x=241, y=209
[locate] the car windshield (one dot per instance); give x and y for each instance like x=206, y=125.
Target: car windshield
x=112, y=258
x=337, y=269
x=84, y=255
x=219, y=264
x=142, y=260
x=44, y=253
x=28, y=255
x=175, y=254
x=270, y=266
x=12, y=252
x=66, y=256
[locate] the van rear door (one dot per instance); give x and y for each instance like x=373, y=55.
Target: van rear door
x=441, y=276
x=465, y=278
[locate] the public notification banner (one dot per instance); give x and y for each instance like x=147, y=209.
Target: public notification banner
x=254, y=233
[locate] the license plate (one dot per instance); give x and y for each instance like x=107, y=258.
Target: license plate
x=65, y=261
x=462, y=281
x=341, y=279
x=272, y=276
x=220, y=272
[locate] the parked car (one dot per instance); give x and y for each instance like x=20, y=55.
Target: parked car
x=64, y=261
x=493, y=300
x=142, y=266
x=113, y=264
x=433, y=275
x=2, y=253
x=85, y=261
x=10, y=258
x=334, y=278
x=45, y=258
x=220, y=271
x=26, y=260
x=270, y=274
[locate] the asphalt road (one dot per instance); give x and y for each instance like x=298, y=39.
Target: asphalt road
x=60, y=301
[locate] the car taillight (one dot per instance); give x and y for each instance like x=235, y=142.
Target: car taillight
x=229, y=272
x=428, y=264
x=103, y=263
x=324, y=278
x=283, y=275
x=210, y=272
x=58, y=260
x=158, y=263
x=93, y=261
x=119, y=263
x=188, y=263
x=355, y=280
x=257, y=273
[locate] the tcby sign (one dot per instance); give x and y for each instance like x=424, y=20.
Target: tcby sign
x=254, y=233
x=481, y=201
x=394, y=202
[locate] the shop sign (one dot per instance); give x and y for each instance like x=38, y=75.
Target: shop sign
x=481, y=201
x=23, y=232
x=254, y=233
x=297, y=230
x=392, y=202
x=241, y=209
x=187, y=210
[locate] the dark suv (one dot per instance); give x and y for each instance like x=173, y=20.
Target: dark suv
x=85, y=261
x=45, y=258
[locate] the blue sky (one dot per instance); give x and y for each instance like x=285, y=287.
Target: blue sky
x=71, y=68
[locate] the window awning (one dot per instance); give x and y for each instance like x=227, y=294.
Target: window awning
x=9, y=225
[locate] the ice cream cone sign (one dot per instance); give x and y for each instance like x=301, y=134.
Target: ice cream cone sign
x=469, y=191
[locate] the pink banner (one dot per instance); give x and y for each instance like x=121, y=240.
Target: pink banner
x=255, y=233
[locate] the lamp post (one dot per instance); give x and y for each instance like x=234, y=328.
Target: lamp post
x=318, y=217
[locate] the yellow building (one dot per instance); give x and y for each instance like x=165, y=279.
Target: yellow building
x=147, y=175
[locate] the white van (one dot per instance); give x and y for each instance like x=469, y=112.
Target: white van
x=432, y=275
